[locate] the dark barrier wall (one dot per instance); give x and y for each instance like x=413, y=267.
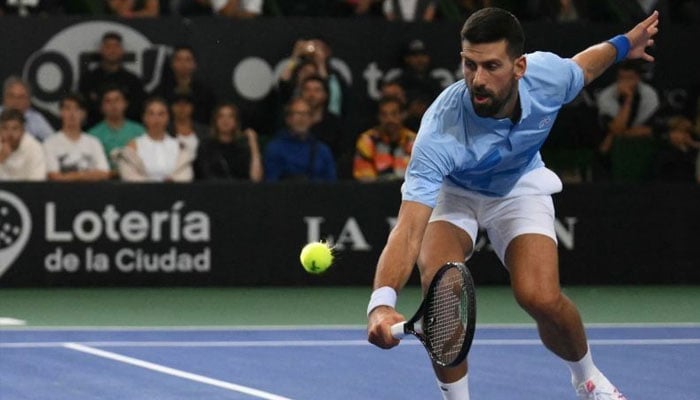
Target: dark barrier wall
x=241, y=59
x=227, y=234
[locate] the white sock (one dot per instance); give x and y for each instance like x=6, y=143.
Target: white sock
x=582, y=369
x=458, y=390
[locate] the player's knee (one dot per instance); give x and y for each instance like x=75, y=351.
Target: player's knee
x=539, y=302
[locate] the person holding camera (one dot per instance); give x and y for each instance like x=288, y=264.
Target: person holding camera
x=312, y=57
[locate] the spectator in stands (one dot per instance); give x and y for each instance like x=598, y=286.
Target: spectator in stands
x=325, y=126
x=421, y=88
x=31, y=7
x=317, y=52
x=185, y=129
x=357, y=8
x=238, y=9
x=111, y=71
x=231, y=153
x=383, y=152
x=305, y=8
x=678, y=154
x=295, y=154
x=289, y=82
x=155, y=156
x=21, y=156
x=410, y=10
x=16, y=94
x=133, y=8
x=559, y=10
x=393, y=89
x=626, y=109
x=115, y=130
x=181, y=78
x=71, y=154
x=460, y=10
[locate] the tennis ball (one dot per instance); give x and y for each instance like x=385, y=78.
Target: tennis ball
x=316, y=257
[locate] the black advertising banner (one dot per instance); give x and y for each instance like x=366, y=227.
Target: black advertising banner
x=113, y=234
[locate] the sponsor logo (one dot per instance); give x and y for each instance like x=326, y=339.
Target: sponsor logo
x=15, y=228
x=56, y=68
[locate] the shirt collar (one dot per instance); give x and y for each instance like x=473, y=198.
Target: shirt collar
x=501, y=126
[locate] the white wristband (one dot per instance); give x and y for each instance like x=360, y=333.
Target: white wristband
x=384, y=296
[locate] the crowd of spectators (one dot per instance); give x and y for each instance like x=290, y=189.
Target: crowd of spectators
x=112, y=128
x=393, y=10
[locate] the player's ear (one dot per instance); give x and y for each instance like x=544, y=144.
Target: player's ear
x=520, y=65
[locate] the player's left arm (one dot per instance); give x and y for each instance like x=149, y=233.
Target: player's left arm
x=597, y=58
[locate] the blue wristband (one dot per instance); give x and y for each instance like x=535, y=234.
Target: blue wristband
x=622, y=46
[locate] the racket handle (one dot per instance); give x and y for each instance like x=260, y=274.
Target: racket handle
x=397, y=330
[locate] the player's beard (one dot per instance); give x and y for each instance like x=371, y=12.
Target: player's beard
x=494, y=106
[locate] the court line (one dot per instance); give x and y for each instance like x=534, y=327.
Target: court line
x=596, y=325
x=338, y=343
x=174, y=372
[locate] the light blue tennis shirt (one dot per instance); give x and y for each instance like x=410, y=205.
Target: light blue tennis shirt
x=488, y=155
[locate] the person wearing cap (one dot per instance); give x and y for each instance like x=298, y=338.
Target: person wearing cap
x=111, y=71
x=421, y=88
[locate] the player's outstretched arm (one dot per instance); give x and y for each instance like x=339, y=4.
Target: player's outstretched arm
x=633, y=44
x=393, y=270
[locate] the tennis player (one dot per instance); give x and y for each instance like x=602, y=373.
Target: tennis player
x=476, y=163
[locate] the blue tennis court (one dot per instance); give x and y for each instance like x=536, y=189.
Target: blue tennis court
x=507, y=361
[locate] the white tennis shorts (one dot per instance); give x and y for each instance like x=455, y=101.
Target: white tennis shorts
x=528, y=208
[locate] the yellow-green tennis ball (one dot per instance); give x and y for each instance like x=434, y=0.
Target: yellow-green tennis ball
x=316, y=257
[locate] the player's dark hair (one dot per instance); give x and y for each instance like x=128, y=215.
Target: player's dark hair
x=493, y=24
x=11, y=114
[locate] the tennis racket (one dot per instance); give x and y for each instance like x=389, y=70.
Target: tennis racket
x=446, y=319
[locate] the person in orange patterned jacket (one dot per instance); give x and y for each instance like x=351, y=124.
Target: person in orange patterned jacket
x=383, y=152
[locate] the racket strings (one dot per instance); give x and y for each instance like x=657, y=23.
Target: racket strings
x=446, y=316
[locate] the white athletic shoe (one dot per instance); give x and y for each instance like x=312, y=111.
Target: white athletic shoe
x=598, y=388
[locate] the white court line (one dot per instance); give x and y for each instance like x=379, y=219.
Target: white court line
x=174, y=372
x=8, y=321
x=341, y=343
x=186, y=328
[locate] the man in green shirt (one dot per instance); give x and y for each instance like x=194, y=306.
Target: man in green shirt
x=115, y=131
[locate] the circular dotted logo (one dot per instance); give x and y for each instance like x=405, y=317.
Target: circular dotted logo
x=15, y=228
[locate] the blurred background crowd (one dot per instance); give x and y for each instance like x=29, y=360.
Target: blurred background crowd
x=394, y=10
x=112, y=128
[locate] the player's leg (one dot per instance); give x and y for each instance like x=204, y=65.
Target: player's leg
x=532, y=262
x=522, y=232
x=444, y=242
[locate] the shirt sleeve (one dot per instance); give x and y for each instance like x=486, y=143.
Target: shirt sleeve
x=561, y=78
x=99, y=154
x=36, y=164
x=432, y=159
x=50, y=157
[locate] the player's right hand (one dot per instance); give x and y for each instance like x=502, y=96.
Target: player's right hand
x=379, y=326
